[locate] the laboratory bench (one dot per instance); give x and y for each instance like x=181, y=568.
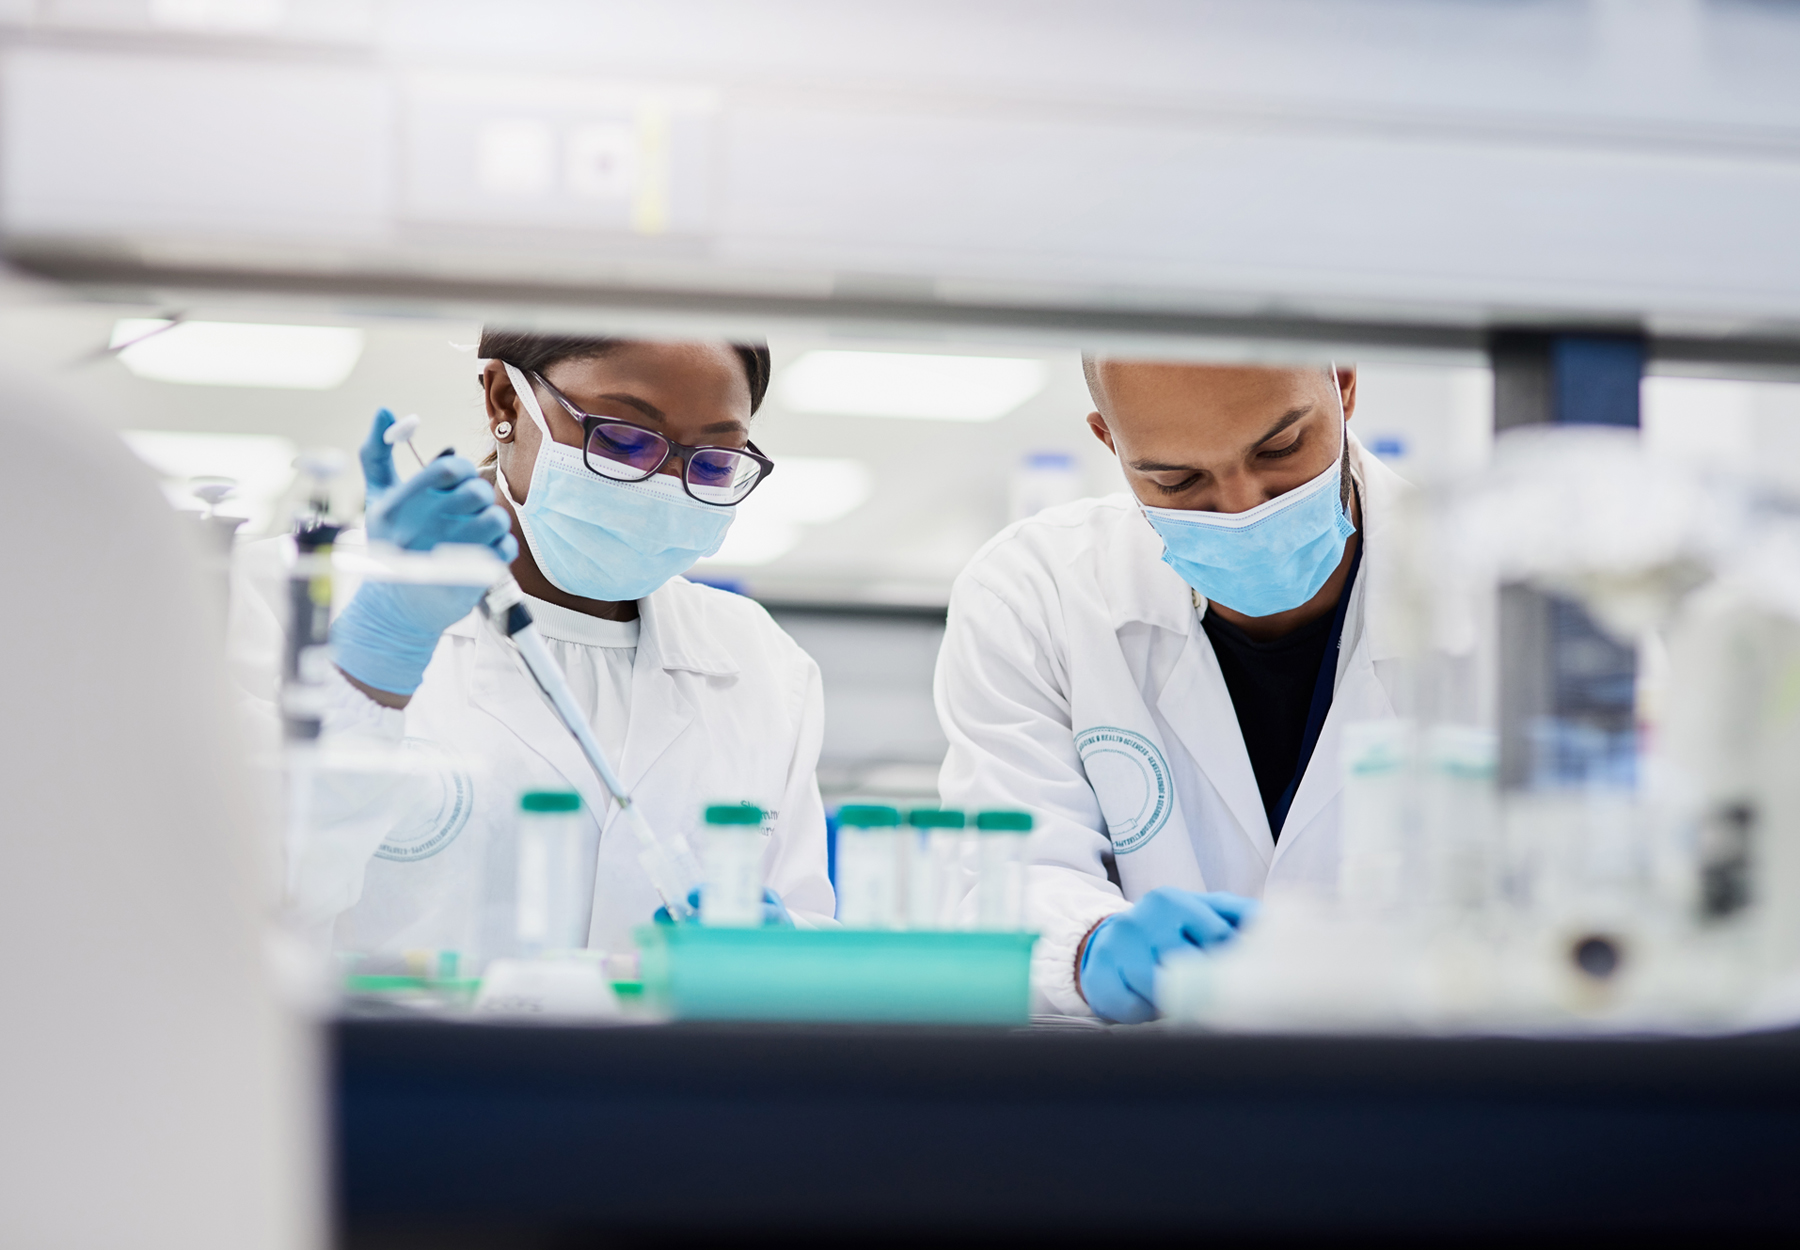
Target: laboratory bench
x=462, y=1135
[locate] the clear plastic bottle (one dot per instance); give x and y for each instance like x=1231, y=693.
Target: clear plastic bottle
x=554, y=896
x=869, y=871
x=732, y=844
x=935, y=868
x=1001, y=839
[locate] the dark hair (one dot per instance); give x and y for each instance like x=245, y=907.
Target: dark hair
x=535, y=353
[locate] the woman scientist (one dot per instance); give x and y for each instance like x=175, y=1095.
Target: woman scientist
x=617, y=464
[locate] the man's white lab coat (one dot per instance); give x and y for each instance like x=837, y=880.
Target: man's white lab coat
x=1076, y=682
x=724, y=707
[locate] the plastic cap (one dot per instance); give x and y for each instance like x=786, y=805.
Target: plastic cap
x=1004, y=822
x=935, y=818
x=550, y=801
x=734, y=814
x=868, y=816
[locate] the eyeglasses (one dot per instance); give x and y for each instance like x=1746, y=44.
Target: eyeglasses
x=624, y=452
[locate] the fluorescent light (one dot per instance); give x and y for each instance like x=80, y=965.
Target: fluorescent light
x=901, y=384
x=230, y=353
x=217, y=14
x=260, y=466
x=803, y=490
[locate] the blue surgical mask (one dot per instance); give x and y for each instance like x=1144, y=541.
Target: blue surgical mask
x=602, y=539
x=1270, y=559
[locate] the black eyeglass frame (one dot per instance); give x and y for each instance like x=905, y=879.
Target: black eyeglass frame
x=683, y=451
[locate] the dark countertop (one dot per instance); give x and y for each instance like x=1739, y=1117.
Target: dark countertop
x=463, y=1135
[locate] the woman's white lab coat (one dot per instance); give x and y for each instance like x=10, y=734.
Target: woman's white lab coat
x=1076, y=681
x=724, y=707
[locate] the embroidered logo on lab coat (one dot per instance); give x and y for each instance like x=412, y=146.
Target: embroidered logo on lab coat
x=440, y=793
x=1131, y=779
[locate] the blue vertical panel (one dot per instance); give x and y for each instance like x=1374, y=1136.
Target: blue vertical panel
x=1596, y=378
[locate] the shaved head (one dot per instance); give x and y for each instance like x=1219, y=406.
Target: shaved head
x=1217, y=438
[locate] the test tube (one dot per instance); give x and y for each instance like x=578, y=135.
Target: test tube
x=869, y=850
x=1001, y=838
x=935, y=867
x=552, y=897
x=733, y=846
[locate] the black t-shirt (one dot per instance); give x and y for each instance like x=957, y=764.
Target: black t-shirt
x=1271, y=686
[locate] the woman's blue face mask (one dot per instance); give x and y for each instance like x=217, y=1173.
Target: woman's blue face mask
x=602, y=539
x=1272, y=558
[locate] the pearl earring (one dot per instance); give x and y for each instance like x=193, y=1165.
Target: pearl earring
x=503, y=431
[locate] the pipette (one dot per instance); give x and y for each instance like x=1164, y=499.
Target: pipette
x=669, y=862
x=402, y=431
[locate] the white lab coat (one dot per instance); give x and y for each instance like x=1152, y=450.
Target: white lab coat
x=1076, y=681
x=724, y=706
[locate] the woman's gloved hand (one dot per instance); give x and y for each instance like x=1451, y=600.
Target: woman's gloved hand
x=1118, y=967
x=386, y=637
x=774, y=911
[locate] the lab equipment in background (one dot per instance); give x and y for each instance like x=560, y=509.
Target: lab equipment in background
x=935, y=878
x=307, y=660
x=553, y=898
x=343, y=794
x=668, y=860
x=1001, y=841
x=870, y=867
x=1599, y=829
x=1732, y=731
x=1043, y=479
x=732, y=853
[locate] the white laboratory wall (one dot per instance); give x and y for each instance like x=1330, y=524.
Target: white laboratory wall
x=1720, y=425
x=882, y=738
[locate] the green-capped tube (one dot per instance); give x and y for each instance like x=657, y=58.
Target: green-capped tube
x=936, y=878
x=553, y=894
x=731, y=843
x=1001, y=859
x=871, y=866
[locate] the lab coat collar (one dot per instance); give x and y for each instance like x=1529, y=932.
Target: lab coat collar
x=675, y=626
x=1384, y=499
x=670, y=630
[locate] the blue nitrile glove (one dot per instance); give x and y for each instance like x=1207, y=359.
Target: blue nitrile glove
x=386, y=636
x=774, y=912
x=1118, y=968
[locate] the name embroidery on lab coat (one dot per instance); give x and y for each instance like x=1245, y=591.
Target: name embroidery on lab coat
x=1130, y=777
x=441, y=795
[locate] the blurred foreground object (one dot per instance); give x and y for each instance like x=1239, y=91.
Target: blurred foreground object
x=157, y=1090
x=1626, y=856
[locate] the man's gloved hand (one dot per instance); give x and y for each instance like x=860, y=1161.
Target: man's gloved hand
x=386, y=636
x=774, y=911
x=1118, y=968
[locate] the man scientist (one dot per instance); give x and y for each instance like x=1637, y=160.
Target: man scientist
x=1164, y=676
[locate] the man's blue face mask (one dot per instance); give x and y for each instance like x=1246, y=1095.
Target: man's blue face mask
x=1270, y=559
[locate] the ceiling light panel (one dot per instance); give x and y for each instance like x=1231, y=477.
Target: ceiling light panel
x=903, y=384
x=230, y=353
